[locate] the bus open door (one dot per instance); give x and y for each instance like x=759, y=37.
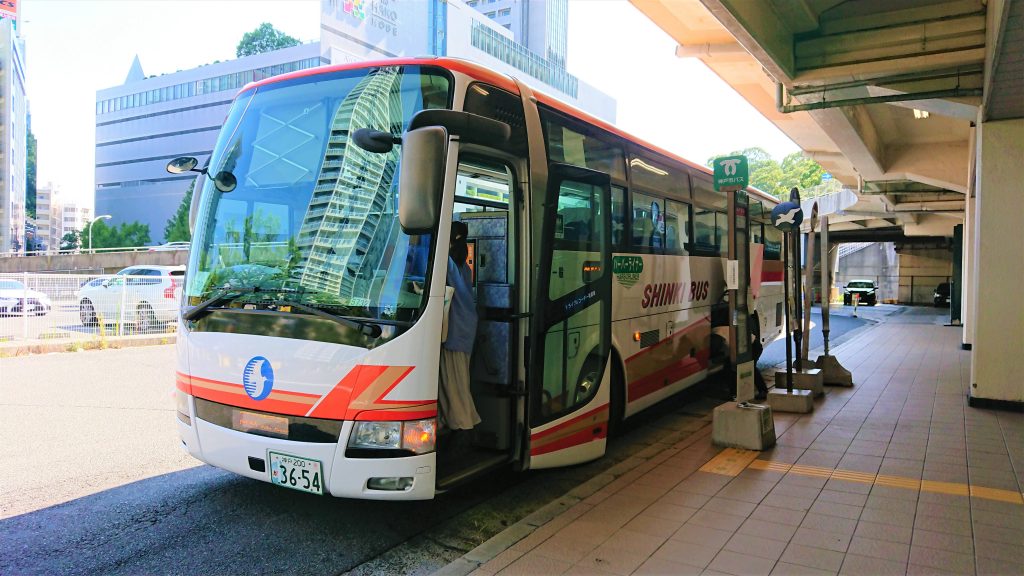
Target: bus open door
x=568, y=374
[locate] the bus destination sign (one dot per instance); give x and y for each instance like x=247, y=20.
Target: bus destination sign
x=731, y=173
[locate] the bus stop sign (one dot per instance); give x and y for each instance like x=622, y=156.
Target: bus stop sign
x=731, y=173
x=787, y=216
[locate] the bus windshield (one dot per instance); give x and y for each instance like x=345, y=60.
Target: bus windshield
x=312, y=220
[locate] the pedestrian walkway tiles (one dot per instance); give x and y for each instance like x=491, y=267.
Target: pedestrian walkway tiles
x=733, y=461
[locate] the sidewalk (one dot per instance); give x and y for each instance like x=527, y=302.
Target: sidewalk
x=893, y=476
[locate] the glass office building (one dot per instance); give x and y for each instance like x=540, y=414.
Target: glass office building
x=145, y=122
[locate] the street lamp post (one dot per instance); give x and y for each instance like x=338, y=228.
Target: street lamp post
x=91, y=222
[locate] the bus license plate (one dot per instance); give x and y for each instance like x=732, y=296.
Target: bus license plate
x=297, y=473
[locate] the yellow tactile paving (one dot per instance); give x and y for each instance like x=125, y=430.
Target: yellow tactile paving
x=727, y=465
x=730, y=461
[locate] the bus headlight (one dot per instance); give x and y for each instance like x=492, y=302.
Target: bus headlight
x=416, y=436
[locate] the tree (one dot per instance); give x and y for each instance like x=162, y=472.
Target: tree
x=71, y=241
x=126, y=235
x=265, y=38
x=30, y=174
x=777, y=179
x=177, y=226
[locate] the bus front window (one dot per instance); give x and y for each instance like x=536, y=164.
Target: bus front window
x=312, y=220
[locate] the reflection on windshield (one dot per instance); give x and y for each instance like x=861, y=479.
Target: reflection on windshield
x=312, y=216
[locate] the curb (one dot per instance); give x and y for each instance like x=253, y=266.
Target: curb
x=512, y=535
x=644, y=460
x=30, y=347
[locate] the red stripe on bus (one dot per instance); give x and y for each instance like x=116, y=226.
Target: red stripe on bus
x=554, y=429
x=685, y=331
x=387, y=415
x=767, y=276
x=336, y=402
x=576, y=439
x=668, y=375
x=244, y=401
x=380, y=399
x=183, y=382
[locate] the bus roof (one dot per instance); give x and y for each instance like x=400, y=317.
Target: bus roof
x=500, y=80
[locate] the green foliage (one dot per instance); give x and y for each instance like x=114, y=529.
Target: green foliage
x=71, y=240
x=177, y=226
x=30, y=174
x=778, y=178
x=124, y=236
x=265, y=38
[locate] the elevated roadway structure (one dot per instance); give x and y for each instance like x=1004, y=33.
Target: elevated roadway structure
x=918, y=106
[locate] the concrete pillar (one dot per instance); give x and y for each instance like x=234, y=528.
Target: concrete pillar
x=967, y=273
x=997, y=366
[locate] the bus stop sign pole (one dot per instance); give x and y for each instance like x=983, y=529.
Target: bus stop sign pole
x=740, y=424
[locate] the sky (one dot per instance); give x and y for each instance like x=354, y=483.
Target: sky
x=74, y=48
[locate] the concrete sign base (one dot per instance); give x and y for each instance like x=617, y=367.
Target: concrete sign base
x=797, y=401
x=743, y=425
x=833, y=373
x=806, y=379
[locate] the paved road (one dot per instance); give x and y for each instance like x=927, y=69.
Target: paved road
x=94, y=483
x=841, y=325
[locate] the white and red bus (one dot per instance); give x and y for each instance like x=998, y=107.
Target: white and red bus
x=308, y=345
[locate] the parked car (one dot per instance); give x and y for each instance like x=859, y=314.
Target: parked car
x=139, y=295
x=867, y=289
x=941, y=295
x=16, y=299
x=170, y=246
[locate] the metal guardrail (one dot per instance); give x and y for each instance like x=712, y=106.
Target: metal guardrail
x=55, y=252
x=84, y=307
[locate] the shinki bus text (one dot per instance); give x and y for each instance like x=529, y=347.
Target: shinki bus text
x=310, y=341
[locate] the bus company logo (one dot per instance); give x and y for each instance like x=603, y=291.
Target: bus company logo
x=258, y=378
x=354, y=8
x=667, y=293
x=627, y=269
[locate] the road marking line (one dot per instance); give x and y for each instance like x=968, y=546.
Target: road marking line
x=732, y=461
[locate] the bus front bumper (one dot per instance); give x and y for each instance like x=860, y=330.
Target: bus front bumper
x=344, y=477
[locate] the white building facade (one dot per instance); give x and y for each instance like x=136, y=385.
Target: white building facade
x=522, y=38
x=13, y=133
x=145, y=122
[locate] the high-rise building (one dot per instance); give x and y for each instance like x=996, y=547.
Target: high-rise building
x=522, y=38
x=13, y=132
x=541, y=25
x=146, y=122
x=47, y=227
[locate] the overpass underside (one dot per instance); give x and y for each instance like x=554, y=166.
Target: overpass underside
x=918, y=105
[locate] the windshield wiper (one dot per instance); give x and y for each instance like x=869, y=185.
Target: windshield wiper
x=229, y=294
x=226, y=295
x=365, y=328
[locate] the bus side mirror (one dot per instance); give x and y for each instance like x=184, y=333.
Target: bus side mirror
x=421, y=180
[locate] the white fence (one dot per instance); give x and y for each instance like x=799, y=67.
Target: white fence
x=82, y=307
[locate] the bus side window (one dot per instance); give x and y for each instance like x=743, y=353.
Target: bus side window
x=648, y=223
x=677, y=225
x=704, y=240
x=618, y=218
x=772, y=243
